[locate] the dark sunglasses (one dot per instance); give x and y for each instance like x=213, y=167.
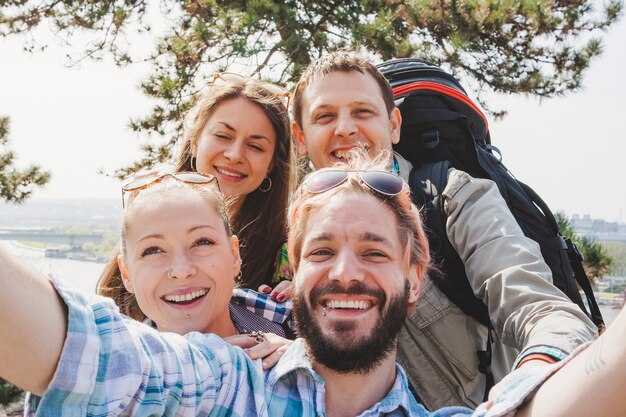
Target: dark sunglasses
x=144, y=182
x=380, y=181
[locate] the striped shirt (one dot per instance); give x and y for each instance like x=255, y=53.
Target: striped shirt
x=112, y=365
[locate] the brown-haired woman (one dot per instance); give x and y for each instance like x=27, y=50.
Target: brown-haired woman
x=239, y=132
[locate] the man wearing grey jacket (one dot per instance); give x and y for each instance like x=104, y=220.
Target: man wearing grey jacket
x=343, y=103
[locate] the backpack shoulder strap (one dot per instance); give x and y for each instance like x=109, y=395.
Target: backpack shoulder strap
x=427, y=182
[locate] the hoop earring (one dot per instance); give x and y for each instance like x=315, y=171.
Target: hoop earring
x=268, y=187
x=192, y=163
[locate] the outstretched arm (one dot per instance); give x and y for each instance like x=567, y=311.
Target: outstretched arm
x=33, y=322
x=507, y=271
x=594, y=380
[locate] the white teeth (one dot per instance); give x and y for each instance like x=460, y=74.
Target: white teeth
x=228, y=173
x=343, y=154
x=185, y=297
x=357, y=305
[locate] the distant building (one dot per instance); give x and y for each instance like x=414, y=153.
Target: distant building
x=598, y=228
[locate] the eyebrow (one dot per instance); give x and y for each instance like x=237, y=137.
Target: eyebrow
x=358, y=103
x=254, y=136
x=366, y=237
x=191, y=230
x=373, y=237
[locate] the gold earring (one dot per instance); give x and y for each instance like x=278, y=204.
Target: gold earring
x=269, y=186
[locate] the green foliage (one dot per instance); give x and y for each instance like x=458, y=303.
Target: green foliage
x=617, y=251
x=597, y=261
x=9, y=393
x=16, y=185
x=540, y=48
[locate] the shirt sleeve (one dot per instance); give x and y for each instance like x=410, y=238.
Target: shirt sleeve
x=507, y=271
x=519, y=386
x=111, y=364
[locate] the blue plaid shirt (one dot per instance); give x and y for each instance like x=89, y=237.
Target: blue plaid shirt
x=112, y=365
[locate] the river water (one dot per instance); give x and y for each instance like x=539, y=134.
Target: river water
x=84, y=275
x=80, y=274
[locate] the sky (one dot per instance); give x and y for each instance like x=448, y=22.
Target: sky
x=73, y=121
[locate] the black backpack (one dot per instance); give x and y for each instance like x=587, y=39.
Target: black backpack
x=443, y=128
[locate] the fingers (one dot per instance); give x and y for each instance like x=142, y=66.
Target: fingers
x=244, y=341
x=272, y=359
x=270, y=350
x=281, y=293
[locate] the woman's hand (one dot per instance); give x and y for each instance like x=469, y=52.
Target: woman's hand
x=281, y=293
x=270, y=349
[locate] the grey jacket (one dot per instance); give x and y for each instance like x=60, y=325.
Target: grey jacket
x=437, y=346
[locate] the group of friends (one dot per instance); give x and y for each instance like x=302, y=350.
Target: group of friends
x=237, y=291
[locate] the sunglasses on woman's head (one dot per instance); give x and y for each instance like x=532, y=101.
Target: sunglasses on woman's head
x=382, y=182
x=223, y=78
x=148, y=180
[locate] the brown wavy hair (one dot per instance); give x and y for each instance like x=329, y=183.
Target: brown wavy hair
x=261, y=221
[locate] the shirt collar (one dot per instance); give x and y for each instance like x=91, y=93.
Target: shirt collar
x=399, y=397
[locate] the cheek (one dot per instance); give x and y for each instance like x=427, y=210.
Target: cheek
x=206, y=151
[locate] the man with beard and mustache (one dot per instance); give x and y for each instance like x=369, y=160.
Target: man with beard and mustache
x=361, y=256
x=342, y=103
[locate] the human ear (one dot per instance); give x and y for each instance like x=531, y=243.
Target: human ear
x=128, y=284
x=234, y=248
x=416, y=281
x=395, y=122
x=298, y=137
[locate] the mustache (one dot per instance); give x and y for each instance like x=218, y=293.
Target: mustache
x=356, y=288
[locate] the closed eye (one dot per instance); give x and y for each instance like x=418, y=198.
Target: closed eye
x=256, y=147
x=222, y=136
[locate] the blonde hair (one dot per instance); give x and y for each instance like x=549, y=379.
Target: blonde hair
x=410, y=229
x=110, y=283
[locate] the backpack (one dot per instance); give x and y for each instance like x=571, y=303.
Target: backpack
x=443, y=128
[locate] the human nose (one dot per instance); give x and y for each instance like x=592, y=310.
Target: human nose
x=234, y=151
x=182, y=267
x=346, y=268
x=345, y=126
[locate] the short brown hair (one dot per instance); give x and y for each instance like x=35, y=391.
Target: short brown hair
x=345, y=61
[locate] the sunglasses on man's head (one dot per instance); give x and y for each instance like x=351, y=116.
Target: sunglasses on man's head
x=148, y=180
x=223, y=78
x=382, y=182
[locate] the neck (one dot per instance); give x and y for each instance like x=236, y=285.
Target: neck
x=349, y=394
x=222, y=327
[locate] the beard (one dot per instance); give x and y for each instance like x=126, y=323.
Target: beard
x=341, y=351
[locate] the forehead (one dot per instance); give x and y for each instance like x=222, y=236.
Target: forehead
x=356, y=216
x=342, y=87
x=179, y=209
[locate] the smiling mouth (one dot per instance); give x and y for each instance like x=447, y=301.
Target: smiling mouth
x=347, y=304
x=230, y=174
x=183, y=299
x=345, y=155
